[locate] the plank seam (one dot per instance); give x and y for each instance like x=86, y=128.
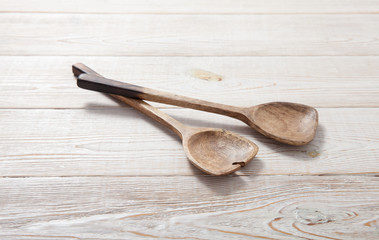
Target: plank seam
x=173, y=107
x=372, y=175
x=192, y=13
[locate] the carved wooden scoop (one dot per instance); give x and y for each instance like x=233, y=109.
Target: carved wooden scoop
x=215, y=151
x=289, y=123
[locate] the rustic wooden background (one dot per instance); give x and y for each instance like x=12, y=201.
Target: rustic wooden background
x=76, y=165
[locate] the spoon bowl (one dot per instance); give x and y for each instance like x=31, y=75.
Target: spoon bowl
x=291, y=123
x=211, y=149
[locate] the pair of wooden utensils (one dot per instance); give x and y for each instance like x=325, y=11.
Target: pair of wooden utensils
x=215, y=151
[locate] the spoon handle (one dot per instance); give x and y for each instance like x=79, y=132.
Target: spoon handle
x=101, y=84
x=176, y=126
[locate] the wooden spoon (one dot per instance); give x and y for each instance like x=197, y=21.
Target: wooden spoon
x=289, y=123
x=215, y=151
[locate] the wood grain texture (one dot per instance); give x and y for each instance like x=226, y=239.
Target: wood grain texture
x=121, y=141
x=47, y=82
x=203, y=207
x=187, y=35
x=193, y=7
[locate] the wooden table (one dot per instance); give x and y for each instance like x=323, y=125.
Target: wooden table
x=76, y=165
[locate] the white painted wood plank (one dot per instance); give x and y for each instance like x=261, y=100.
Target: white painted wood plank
x=47, y=82
x=121, y=141
x=257, y=207
x=192, y=7
x=188, y=35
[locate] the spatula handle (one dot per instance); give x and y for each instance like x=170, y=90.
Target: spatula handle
x=101, y=84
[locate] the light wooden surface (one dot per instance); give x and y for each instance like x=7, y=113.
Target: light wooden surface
x=74, y=142
x=188, y=35
x=47, y=82
x=194, y=7
x=188, y=207
x=76, y=165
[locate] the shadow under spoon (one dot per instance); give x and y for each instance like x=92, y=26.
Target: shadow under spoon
x=214, y=151
x=285, y=122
